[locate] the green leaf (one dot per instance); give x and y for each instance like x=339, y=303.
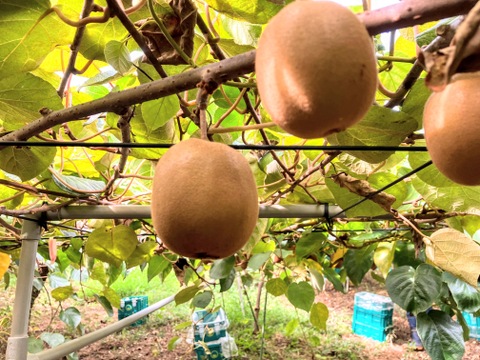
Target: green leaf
x=251, y=11
x=186, y=294
x=319, y=316
x=105, y=304
x=222, y=268
x=332, y=276
x=34, y=345
x=156, y=113
x=226, y=283
x=291, y=326
x=98, y=273
x=76, y=185
x=415, y=101
x=414, y=290
x=309, y=244
x=52, y=339
x=25, y=162
x=62, y=293
x=29, y=32
x=202, y=299
x=242, y=32
x=276, y=286
x=257, y=260
x=71, y=316
x=358, y=262
x=117, y=55
x=112, y=297
x=113, y=273
x=380, y=127
x=143, y=252
x=112, y=245
x=465, y=295
x=156, y=265
x=173, y=343
x=440, y=335
x=21, y=98
x=301, y=295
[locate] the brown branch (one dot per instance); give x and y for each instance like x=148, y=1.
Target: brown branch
x=87, y=8
x=15, y=231
x=412, y=12
x=118, y=101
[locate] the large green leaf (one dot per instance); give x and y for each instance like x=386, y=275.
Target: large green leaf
x=222, y=268
x=380, y=127
x=186, y=294
x=301, y=295
x=441, y=336
x=466, y=296
x=28, y=32
x=112, y=244
x=252, y=11
x=414, y=290
x=21, y=98
x=71, y=316
x=142, y=254
x=77, y=185
x=309, y=243
x=415, y=101
x=441, y=192
x=276, y=286
x=358, y=262
x=26, y=162
x=117, y=55
x=156, y=113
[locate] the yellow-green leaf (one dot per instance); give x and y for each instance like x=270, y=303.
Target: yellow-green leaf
x=383, y=257
x=112, y=296
x=319, y=316
x=456, y=253
x=62, y=293
x=112, y=245
x=4, y=263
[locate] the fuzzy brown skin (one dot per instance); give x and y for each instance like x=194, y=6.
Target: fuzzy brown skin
x=452, y=129
x=316, y=69
x=204, y=200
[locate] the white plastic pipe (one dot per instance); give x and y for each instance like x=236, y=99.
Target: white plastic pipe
x=76, y=344
x=17, y=345
x=143, y=212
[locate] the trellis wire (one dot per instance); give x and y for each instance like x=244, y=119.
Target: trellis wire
x=235, y=146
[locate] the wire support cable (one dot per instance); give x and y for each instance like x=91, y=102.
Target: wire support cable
x=234, y=146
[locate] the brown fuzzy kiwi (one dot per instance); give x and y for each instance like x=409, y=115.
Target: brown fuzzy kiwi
x=451, y=122
x=316, y=68
x=204, y=199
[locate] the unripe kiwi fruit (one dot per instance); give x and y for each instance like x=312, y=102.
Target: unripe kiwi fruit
x=204, y=199
x=316, y=68
x=451, y=122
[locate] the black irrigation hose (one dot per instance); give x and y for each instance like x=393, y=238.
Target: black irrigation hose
x=235, y=146
x=421, y=167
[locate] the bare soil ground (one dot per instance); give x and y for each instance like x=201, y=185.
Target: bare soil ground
x=150, y=341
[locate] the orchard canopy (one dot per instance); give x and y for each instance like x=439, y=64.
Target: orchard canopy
x=92, y=94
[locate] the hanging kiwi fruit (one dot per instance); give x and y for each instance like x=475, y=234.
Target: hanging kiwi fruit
x=204, y=199
x=316, y=69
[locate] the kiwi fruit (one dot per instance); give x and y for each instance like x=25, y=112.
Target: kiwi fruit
x=452, y=129
x=204, y=199
x=316, y=69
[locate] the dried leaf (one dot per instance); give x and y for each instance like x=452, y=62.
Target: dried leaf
x=363, y=188
x=444, y=63
x=456, y=253
x=181, y=26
